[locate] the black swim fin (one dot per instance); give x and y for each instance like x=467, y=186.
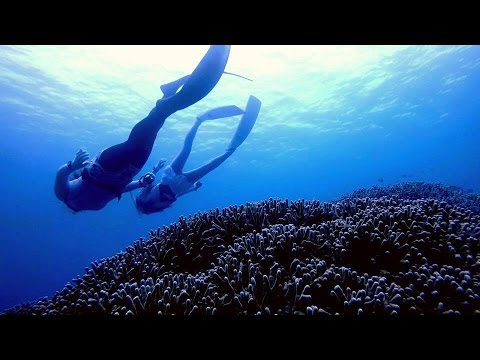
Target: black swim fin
x=202, y=80
x=171, y=88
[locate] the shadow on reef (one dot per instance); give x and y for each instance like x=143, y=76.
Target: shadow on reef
x=411, y=248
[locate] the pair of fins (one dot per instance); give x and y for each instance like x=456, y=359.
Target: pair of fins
x=213, y=64
x=199, y=83
x=244, y=127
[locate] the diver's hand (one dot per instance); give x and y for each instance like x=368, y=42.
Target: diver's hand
x=197, y=185
x=147, y=179
x=81, y=159
x=160, y=165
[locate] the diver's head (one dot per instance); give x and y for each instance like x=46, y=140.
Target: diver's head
x=161, y=199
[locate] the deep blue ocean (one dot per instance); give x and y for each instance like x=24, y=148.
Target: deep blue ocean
x=333, y=119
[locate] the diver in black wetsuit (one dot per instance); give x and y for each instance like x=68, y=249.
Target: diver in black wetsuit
x=111, y=173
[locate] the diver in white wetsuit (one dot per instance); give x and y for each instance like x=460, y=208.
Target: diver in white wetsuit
x=174, y=181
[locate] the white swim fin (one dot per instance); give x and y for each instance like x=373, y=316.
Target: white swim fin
x=221, y=112
x=246, y=122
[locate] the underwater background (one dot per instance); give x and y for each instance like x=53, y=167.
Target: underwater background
x=333, y=119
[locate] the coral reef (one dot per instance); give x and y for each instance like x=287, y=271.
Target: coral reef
x=421, y=190
x=413, y=251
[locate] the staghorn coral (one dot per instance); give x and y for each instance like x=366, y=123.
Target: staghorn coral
x=421, y=190
x=385, y=255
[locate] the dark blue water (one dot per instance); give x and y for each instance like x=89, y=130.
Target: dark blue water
x=405, y=115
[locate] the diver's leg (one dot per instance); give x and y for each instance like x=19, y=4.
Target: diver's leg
x=213, y=114
x=196, y=174
x=179, y=162
x=139, y=145
x=243, y=130
x=137, y=148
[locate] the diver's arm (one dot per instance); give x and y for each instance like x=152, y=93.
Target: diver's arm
x=134, y=185
x=62, y=184
x=144, y=181
x=195, y=187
